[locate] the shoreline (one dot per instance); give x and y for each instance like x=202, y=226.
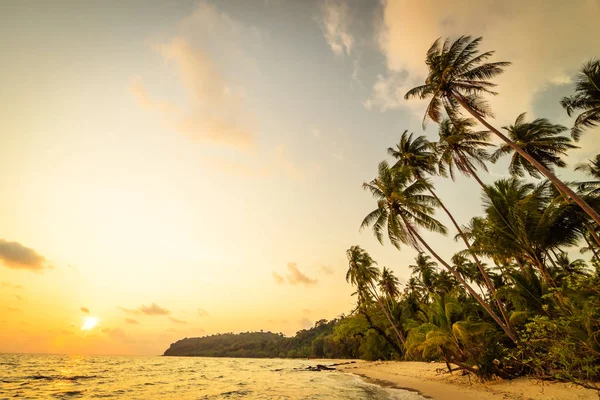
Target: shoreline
x=431, y=380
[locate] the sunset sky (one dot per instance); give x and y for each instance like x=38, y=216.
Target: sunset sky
x=177, y=168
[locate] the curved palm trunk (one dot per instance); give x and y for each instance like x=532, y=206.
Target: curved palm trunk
x=381, y=332
x=387, y=315
x=591, y=247
x=486, y=278
x=471, y=291
x=560, y=185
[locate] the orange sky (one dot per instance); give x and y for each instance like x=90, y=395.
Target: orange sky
x=186, y=168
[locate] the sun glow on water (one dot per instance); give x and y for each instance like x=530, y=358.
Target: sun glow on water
x=89, y=323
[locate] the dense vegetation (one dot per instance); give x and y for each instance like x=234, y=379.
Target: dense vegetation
x=338, y=338
x=513, y=301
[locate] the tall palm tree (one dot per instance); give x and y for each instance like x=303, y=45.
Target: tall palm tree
x=591, y=168
x=418, y=157
x=389, y=284
x=425, y=269
x=586, y=99
x=363, y=274
x=458, y=76
x=403, y=209
x=540, y=139
x=461, y=148
x=527, y=221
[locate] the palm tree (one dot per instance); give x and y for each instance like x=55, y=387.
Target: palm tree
x=461, y=148
x=525, y=221
x=591, y=168
x=459, y=76
x=425, y=270
x=418, y=157
x=586, y=98
x=389, y=284
x=402, y=209
x=541, y=140
x=363, y=274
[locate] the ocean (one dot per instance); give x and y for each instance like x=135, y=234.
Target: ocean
x=37, y=376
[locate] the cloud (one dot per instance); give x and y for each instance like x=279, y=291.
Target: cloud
x=129, y=311
x=294, y=276
x=13, y=309
x=154, y=309
x=335, y=23
x=10, y=285
x=131, y=321
x=202, y=312
x=215, y=108
x=116, y=332
x=326, y=269
x=278, y=278
x=287, y=165
x=18, y=297
x=85, y=310
x=177, y=321
x=533, y=35
x=15, y=255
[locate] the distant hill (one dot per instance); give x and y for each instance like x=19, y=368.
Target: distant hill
x=258, y=344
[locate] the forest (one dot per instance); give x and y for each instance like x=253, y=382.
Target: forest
x=522, y=296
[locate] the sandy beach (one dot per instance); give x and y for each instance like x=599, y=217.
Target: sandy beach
x=433, y=380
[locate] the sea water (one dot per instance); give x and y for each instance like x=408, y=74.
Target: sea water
x=37, y=376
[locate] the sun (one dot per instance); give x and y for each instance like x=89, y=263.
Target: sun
x=89, y=323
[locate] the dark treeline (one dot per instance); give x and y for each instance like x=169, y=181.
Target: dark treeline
x=514, y=300
x=345, y=337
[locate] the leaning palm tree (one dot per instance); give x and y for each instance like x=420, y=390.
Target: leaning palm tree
x=363, y=274
x=418, y=157
x=540, y=139
x=458, y=76
x=389, y=284
x=403, y=209
x=586, y=99
x=591, y=168
x=460, y=148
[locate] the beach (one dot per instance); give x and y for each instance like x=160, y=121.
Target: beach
x=433, y=380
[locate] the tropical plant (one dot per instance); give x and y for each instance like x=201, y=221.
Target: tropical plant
x=459, y=76
x=591, y=168
x=540, y=139
x=460, y=148
x=363, y=274
x=586, y=99
x=402, y=209
x=418, y=157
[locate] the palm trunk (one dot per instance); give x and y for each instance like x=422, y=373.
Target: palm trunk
x=471, y=291
x=381, y=332
x=387, y=315
x=591, y=247
x=560, y=185
x=594, y=235
x=486, y=278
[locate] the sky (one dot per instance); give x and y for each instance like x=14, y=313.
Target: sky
x=174, y=169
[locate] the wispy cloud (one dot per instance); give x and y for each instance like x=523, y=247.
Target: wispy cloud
x=216, y=109
x=294, y=276
x=85, y=310
x=280, y=280
x=326, y=269
x=335, y=22
x=10, y=285
x=202, y=312
x=153, y=309
x=15, y=255
x=177, y=321
x=131, y=321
